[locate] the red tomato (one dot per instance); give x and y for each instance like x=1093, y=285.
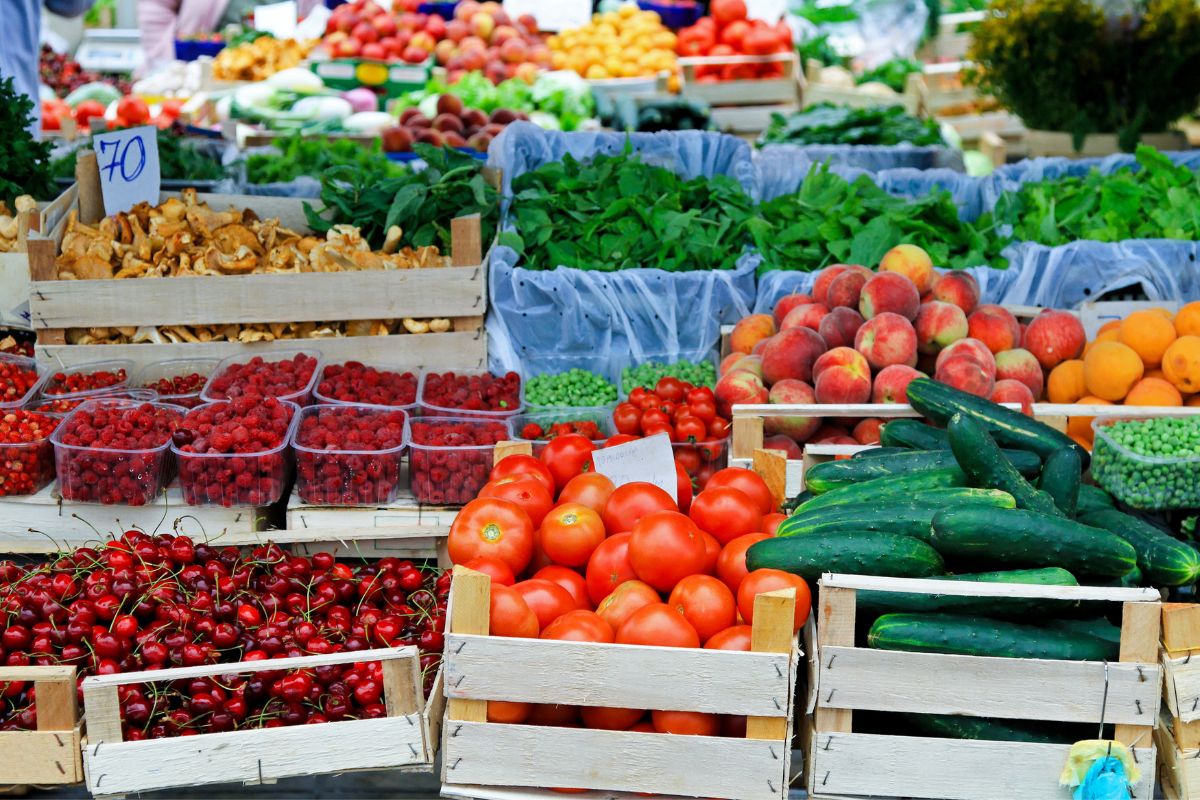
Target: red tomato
x=771, y=522
x=719, y=428
x=695, y=41
x=664, y=548
x=706, y=603
x=570, y=533
x=688, y=458
x=712, y=552
x=704, y=409
x=691, y=430
x=554, y=715
x=736, y=637
x=570, y=580
x=526, y=491
x=567, y=456
x=627, y=418
x=760, y=42
x=511, y=615
x=731, y=563
x=610, y=719
x=658, y=625
x=492, y=527
x=620, y=438
x=687, y=723
x=133, y=110
x=590, y=489
x=683, y=487
x=726, y=513
x=733, y=35
x=768, y=580
x=522, y=464
x=631, y=502
x=748, y=481
x=497, y=569
x=739, y=72
x=508, y=712
x=85, y=111
x=546, y=599
x=626, y=599
x=726, y=11
x=579, y=626
x=609, y=567
x=671, y=389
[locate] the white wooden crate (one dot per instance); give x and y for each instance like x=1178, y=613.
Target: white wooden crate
x=479, y=756
x=766, y=91
x=49, y=755
x=845, y=764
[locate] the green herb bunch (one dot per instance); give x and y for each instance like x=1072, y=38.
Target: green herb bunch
x=24, y=162
x=827, y=123
x=299, y=155
x=893, y=73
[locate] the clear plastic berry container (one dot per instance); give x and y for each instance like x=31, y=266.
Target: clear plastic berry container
x=26, y=366
x=434, y=408
x=450, y=458
x=26, y=466
x=159, y=376
x=535, y=368
x=91, y=471
x=332, y=471
x=1146, y=482
x=701, y=459
x=61, y=407
x=379, y=382
x=296, y=392
x=601, y=416
x=58, y=383
x=255, y=477
x=627, y=382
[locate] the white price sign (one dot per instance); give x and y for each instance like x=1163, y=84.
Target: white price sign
x=129, y=170
x=648, y=460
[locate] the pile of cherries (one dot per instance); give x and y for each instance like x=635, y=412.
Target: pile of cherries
x=183, y=390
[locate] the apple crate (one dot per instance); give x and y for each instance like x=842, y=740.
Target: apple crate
x=49, y=755
x=405, y=739
x=489, y=760
x=844, y=764
x=1178, y=734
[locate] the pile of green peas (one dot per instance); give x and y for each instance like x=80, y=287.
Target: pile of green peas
x=697, y=373
x=575, y=388
x=1150, y=463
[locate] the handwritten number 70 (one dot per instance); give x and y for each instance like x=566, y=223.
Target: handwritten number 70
x=120, y=161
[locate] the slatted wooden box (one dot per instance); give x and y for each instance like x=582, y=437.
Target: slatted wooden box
x=1178, y=735
x=405, y=739
x=488, y=760
x=844, y=764
x=51, y=754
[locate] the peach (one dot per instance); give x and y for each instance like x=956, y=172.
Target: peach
x=1020, y=365
x=912, y=262
x=939, y=324
x=739, y=386
x=891, y=384
x=1054, y=337
x=830, y=431
x=797, y=428
x=842, y=376
x=758, y=347
x=887, y=339
x=835, y=440
x=751, y=364
x=846, y=287
x=967, y=375
x=729, y=362
x=838, y=327
x=790, y=354
x=784, y=443
x=825, y=278
x=787, y=303
x=837, y=357
x=1013, y=391
x=972, y=348
x=867, y=430
x=808, y=315
x=889, y=292
x=958, y=287
x=750, y=331
x=994, y=326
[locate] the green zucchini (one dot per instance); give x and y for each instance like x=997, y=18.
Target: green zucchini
x=1096, y=627
x=830, y=475
x=972, y=636
x=1061, y=475
x=913, y=434
x=909, y=518
x=980, y=459
x=1163, y=559
x=891, y=486
x=939, y=402
x=877, y=602
x=1092, y=498
x=1019, y=538
x=852, y=553
x=947, y=726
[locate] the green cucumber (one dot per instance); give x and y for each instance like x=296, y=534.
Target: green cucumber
x=877, y=602
x=831, y=475
x=1060, y=479
x=892, y=486
x=1092, y=498
x=875, y=452
x=980, y=458
x=1163, y=559
x=1096, y=627
x=909, y=518
x=1019, y=538
x=939, y=402
x=913, y=434
x=790, y=506
x=852, y=553
x=972, y=636
x=1130, y=580
x=947, y=726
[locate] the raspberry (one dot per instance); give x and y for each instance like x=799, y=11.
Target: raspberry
x=261, y=378
x=450, y=458
x=327, y=474
x=355, y=382
x=449, y=392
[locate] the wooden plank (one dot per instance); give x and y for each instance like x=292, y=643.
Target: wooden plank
x=466, y=243
x=771, y=465
x=103, y=711
x=435, y=713
x=402, y=686
x=774, y=617
x=87, y=178
x=1180, y=626
x=747, y=435
x=1182, y=686
x=1179, y=767
x=866, y=765
x=529, y=793
x=37, y=674
x=1140, y=627
x=793, y=473
x=40, y=758
x=699, y=766
x=977, y=589
x=618, y=675
x=976, y=686
x=469, y=612
x=57, y=708
x=1187, y=734
x=835, y=629
x=506, y=449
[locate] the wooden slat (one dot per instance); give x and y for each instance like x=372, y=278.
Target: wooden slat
x=470, y=610
x=747, y=436
x=834, y=629
x=103, y=711
x=37, y=674
x=87, y=178
x=771, y=632
x=402, y=686
x=466, y=242
x=505, y=449
x=1140, y=627
x=771, y=465
x=618, y=675
x=977, y=589
x=1180, y=626
x=1004, y=688
x=435, y=713
x=33, y=757
x=57, y=708
x=1179, y=775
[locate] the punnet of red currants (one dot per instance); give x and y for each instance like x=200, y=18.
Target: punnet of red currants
x=349, y=454
x=84, y=381
x=145, y=602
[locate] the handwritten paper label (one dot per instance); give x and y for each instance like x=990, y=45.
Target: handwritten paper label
x=560, y=15
x=277, y=19
x=129, y=171
x=650, y=460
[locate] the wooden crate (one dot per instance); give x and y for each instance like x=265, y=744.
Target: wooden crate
x=1057, y=144
x=816, y=92
x=484, y=759
x=845, y=764
x=14, y=266
x=405, y=738
x=941, y=94
x=51, y=754
x=1178, y=736
x=769, y=91
x=950, y=42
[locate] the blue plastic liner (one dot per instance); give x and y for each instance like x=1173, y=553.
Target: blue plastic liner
x=869, y=157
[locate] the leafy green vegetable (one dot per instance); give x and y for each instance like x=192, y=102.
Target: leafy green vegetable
x=177, y=159
x=300, y=155
x=894, y=73
x=421, y=202
x=565, y=96
x=617, y=212
x=826, y=123
x=24, y=163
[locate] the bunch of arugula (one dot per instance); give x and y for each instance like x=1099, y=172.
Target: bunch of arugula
x=24, y=163
x=299, y=155
x=421, y=202
x=617, y=212
x=826, y=123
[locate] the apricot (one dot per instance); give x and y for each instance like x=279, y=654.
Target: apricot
x=1110, y=369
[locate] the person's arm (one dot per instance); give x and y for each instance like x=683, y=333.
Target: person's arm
x=156, y=20
x=68, y=8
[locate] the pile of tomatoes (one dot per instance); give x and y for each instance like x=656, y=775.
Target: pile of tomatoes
x=687, y=414
x=727, y=32
x=573, y=557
